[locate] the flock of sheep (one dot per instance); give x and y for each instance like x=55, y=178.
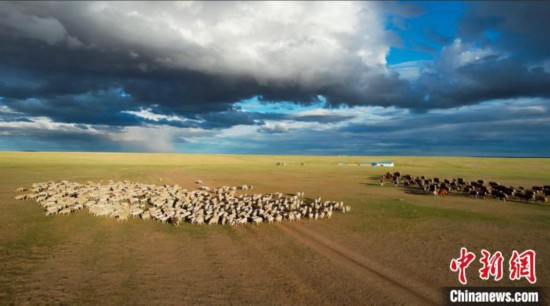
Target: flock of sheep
x=171, y=203
x=476, y=189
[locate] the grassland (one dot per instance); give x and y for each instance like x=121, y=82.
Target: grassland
x=394, y=247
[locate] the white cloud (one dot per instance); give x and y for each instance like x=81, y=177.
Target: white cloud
x=317, y=112
x=459, y=54
x=7, y=110
x=411, y=70
x=276, y=42
x=272, y=128
x=45, y=123
x=147, y=113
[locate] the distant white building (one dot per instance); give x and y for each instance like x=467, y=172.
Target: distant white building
x=379, y=164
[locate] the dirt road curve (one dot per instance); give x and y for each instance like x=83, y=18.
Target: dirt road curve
x=403, y=288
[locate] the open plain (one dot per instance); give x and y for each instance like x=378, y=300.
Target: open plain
x=393, y=247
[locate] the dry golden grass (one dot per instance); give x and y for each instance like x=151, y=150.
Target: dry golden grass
x=394, y=247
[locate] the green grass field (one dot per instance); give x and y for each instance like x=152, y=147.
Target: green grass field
x=394, y=246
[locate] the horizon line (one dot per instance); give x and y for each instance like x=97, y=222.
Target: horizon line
x=268, y=154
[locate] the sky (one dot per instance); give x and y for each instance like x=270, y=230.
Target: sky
x=316, y=78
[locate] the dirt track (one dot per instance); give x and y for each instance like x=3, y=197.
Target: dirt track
x=393, y=283
x=285, y=264
x=392, y=248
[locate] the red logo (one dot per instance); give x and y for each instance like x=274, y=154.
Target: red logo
x=523, y=265
x=520, y=265
x=492, y=265
x=461, y=264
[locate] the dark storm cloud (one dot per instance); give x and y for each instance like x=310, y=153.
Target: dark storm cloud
x=56, y=70
x=103, y=66
x=520, y=27
x=92, y=108
x=486, y=79
x=516, y=139
x=502, y=112
x=93, y=87
x=151, y=74
x=321, y=118
x=506, y=128
x=23, y=139
x=82, y=86
x=59, y=76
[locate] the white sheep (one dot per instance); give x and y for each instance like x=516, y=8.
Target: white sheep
x=172, y=203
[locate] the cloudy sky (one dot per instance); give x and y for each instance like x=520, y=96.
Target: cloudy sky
x=352, y=78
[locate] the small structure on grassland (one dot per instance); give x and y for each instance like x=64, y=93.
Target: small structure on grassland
x=378, y=164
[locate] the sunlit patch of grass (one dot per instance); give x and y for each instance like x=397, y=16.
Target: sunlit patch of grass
x=27, y=236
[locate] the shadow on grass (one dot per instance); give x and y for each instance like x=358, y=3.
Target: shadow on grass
x=416, y=191
x=369, y=184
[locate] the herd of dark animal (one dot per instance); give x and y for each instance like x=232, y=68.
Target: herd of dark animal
x=476, y=189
